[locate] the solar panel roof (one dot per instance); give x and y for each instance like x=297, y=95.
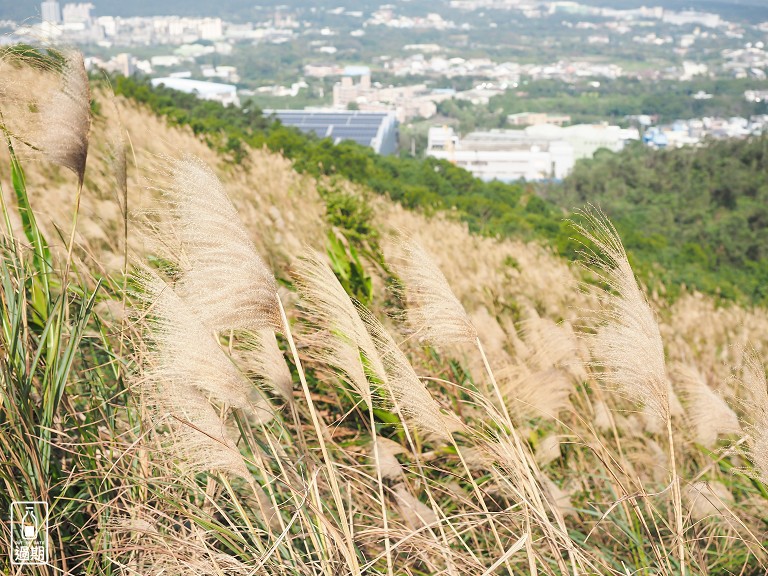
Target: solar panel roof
x=361, y=127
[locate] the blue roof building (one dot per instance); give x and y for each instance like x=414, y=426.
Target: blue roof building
x=378, y=130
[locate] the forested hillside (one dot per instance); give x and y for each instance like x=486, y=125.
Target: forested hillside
x=697, y=216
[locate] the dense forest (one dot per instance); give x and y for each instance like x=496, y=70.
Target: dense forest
x=695, y=217
x=700, y=213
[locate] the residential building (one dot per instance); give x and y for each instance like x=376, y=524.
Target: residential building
x=77, y=13
x=406, y=101
x=224, y=93
x=51, y=12
x=534, y=118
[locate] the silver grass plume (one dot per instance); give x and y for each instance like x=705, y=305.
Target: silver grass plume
x=756, y=409
x=223, y=274
x=184, y=367
x=706, y=412
x=199, y=436
x=343, y=335
x=434, y=311
x=409, y=396
x=117, y=160
x=628, y=345
x=388, y=464
x=185, y=351
x=66, y=117
x=535, y=394
x=415, y=513
x=259, y=356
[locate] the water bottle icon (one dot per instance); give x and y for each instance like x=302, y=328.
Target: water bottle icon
x=29, y=524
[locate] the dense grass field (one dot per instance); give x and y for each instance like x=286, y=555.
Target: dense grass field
x=218, y=367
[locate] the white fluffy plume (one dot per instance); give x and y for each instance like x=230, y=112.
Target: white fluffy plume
x=707, y=413
x=434, y=311
x=627, y=347
x=756, y=419
x=342, y=336
x=183, y=369
x=222, y=272
x=66, y=117
x=408, y=394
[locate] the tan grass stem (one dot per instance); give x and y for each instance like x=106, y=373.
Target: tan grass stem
x=628, y=345
x=322, y=434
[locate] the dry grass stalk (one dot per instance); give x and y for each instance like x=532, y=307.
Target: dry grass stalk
x=66, y=117
x=223, y=275
x=346, y=345
x=434, y=311
x=707, y=413
x=628, y=345
x=756, y=420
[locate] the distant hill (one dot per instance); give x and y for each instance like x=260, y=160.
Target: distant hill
x=695, y=216
x=739, y=10
x=743, y=10
x=233, y=10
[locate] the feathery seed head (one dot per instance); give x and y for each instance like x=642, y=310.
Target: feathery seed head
x=706, y=412
x=344, y=336
x=66, y=117
x=408, y=394
x=185, y=353
x=415, y=513
x=388, y=464
x=756, y=419
x=259, y=356
x=628, y=345
x=183, y=367
x=433, y=309
x=543, y=393
x=225, y=277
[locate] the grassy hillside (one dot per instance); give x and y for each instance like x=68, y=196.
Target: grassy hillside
x=475, y=434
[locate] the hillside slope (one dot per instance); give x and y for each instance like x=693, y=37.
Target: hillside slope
x=533, y=314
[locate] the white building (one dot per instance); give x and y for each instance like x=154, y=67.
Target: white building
x=586, y=139
x=77, y=13
x=51, y=12
x=224, y=93
x=504, y=155
x=539, y=152
x=406, y=101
